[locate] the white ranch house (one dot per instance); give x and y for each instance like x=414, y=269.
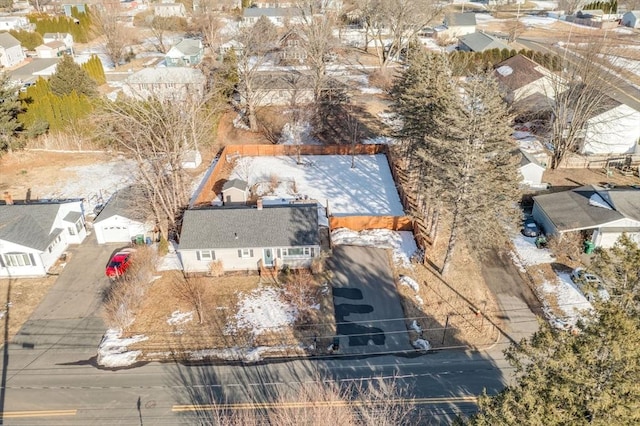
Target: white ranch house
x=35, y=234
x=247, y=238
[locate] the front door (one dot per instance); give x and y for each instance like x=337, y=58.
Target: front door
x=267, y=256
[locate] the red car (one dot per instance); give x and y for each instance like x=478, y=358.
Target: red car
x=119, y=263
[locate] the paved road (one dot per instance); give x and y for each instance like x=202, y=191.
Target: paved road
x=366, y=300
x=51, y=378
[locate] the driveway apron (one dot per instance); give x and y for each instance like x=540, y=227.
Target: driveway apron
x=368, y=312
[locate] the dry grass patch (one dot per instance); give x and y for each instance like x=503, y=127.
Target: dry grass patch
x=24, y=297
x=217, y=304
x=457, y=296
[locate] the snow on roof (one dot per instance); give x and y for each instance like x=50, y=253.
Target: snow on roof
x=597, y=201
x=504, y=70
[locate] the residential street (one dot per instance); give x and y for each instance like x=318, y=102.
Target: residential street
x=51, y=377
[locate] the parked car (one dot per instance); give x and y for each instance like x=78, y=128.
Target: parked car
x=590, y=285
x=530, y=228
x=119, y=263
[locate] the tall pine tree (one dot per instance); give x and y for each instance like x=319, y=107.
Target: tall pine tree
x=472, y=165
x=9, y=109
x=70, y=77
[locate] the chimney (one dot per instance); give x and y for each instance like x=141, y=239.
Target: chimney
x=8, y=198
x=259, y=204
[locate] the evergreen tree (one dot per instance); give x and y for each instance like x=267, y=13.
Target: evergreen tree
x=9, y=108
x=587, y=378
x=70, y=76
x=472, y=165
x=95, y=70
x=29, y=40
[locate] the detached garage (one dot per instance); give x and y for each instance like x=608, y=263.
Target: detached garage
x=120, y=221
x=604, y=213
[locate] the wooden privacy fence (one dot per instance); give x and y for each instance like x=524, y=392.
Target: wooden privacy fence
x=221, y=171
x=361, y=223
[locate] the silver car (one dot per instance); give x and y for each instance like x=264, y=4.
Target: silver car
x=590, y=285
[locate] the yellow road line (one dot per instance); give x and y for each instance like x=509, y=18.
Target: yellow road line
x=41, y=413
x=304, y=404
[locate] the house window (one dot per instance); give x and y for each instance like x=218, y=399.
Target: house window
x=296, y=252
x=245, y=253
x=18, y=259
x=206, y=255
x=78, y=225
x=71, y=230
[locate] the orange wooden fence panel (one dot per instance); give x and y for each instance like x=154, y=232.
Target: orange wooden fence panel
x=361, y=223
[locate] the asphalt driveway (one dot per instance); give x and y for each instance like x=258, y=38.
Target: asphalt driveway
x=368, y=312
x=67, y=325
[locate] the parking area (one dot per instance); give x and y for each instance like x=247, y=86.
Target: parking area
x=369, y=316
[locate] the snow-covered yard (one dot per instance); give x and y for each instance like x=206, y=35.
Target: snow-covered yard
x=563, y=303
x=366, y=189
x=262, y=310
x=401, y=243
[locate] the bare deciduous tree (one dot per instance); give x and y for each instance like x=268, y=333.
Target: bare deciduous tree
x=257, y=41
x=116, y=37
x=192, y=291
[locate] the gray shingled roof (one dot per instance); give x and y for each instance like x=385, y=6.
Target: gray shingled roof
x=274, y=226
x=570, y=210
x=29, y=225
x=235, y=183
x=189, y=46
x=7, y=40
x=460, y=20
x=479, y=42
x=175, y=75
x=528, y=159
x=123, y=203
x=72, y=217
x=256, y=12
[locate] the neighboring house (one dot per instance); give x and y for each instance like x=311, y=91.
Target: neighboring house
x=170, y=10
x=479, y=42
x=187, y=52
x=30, y=72
x=121, y=219
x=268, y=4
x=279, y=89
x=249, y=238
x=53, y=49
x=11, y=52
x=594, y=15
x=230, y=45
x=67, y=8
x=519, y=77
x=457, y=25
x=166, y=84
x=531, y=170
x=8, y=23
x=235, y=191
x=279, y=16
x=33, y=235
x=631, y=19
x=66, y=38
x=614, y=130
x=291, y=48
x=604, y=214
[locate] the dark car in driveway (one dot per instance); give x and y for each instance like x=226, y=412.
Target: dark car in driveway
x=530, y=228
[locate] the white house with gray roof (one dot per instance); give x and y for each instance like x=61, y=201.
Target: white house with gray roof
x=279, y=16
x=122, y=219
x=458, y=24
x=604, y=213
x=166, y=84
x=247, y=238
x=34, y=235
x=185, y=53
x=11, y=52
x=479, y=42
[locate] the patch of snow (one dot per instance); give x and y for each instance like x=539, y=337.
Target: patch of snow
x=409, y=282
x=263, y=310
x=537, y=21
x=504, y=70
x=546, y=5
x=391, y=119
x=113, y=352
x=623, y=30
x=401, y=242
x=571, y=302
x=171, y=261
x=416, y=327
x=379, y=140
x=421, y=344
x=597, y=201
x=484, y=17
x=94, y=182
x=178, y=318
x=528, y=254
x=238, y=123
x=419, y=299
x=300, y=133
x=371, y=90
x=366, y=189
